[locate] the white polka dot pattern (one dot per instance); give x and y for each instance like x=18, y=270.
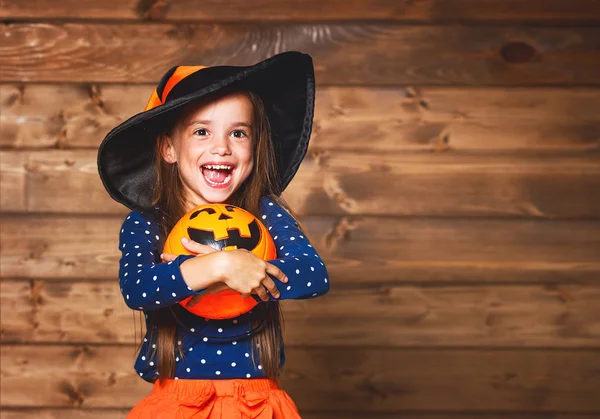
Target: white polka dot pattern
x=169, y=286
x=159, y=285
x=295, y=256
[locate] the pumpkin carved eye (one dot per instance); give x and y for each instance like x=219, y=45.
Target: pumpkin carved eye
x=196, y=213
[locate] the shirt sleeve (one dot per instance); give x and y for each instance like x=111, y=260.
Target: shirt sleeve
x=306, y=272
x=146, y=284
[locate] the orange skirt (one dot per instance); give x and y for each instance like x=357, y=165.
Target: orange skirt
x=256, y=398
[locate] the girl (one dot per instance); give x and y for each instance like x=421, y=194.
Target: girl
x=213, y=135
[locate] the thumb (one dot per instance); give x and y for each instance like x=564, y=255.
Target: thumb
x=197, y=248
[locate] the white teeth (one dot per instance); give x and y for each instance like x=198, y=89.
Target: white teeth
x=218, y=167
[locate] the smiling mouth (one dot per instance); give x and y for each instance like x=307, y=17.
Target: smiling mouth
x=217, y=175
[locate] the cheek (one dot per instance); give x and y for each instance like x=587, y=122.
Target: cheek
x=190, y=152
x=245, y=154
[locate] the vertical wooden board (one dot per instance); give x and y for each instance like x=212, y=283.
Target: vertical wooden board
x=13, y=192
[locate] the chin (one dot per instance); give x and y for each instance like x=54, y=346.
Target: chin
x=215, y=196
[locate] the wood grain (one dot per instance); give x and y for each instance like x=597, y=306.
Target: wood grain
x=390, y=119
x=315, y=10
x=353, y=53
x=377, y=380
x=356, y=249
x=559, y=316
x=13, y=182
x=345, y=182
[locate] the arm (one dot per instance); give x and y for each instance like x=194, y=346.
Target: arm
x=147, y=285
x=299, y=261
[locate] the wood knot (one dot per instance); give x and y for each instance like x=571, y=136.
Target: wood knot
x=152, y=9
x=517, y=53
x=37, y=287
x=411, y=92
x=112, y=379
x=340, y=231
x=385, y=295
x=319, y=156
x=95, y=95
x=36, y=250
x=442, y=143
x=75, y=398
x=16, y=98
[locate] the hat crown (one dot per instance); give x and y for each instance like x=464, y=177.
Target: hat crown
x=168, y=81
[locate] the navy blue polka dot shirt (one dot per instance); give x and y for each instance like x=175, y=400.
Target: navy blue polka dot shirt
x=213, y=349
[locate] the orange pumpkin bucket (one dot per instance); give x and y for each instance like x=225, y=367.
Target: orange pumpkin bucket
x=223, y=227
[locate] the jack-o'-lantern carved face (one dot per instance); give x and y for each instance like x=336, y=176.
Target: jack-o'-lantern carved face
x=223, y=227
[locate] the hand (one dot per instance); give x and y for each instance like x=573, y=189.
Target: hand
x=247, y=274
x=192, y=246
x=199, y=250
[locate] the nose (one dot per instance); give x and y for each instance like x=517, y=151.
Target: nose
x=220, y=145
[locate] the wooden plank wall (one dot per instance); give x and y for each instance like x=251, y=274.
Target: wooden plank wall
x=452, y=185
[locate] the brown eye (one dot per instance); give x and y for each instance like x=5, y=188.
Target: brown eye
x=239, y=131
x=201, y=131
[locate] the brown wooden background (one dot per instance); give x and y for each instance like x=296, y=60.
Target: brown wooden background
x=452, y=185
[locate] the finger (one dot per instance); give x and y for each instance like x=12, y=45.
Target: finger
x=168, y=257
x=276, y=272
x=269, y=284
x=262, y=293
x=197, y=248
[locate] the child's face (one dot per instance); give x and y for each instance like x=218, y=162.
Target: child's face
x=212, y=144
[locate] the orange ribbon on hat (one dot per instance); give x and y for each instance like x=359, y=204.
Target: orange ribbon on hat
x=179, y=74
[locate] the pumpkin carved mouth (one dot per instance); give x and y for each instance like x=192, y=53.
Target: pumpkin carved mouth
x=235, y=238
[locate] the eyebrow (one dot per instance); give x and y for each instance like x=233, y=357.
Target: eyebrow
x=207, y=122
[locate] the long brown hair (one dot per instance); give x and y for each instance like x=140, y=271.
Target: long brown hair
x=263, y=181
